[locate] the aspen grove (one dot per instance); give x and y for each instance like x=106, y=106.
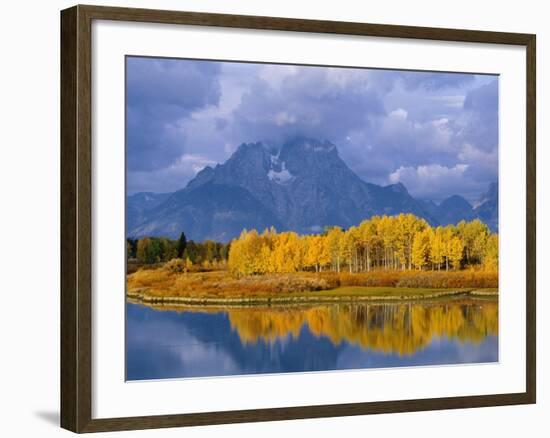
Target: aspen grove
x=402, y=242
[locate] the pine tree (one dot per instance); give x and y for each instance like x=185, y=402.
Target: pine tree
x=182, y=244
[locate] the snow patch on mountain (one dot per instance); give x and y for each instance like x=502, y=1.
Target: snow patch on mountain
x=283, y=176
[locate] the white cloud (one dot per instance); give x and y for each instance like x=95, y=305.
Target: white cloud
x=472, y=154
x=275, y=75
x=194, y=161
x=175, y=175
x=283, y=118
x=456, y=101
x=431, y=172
x=421, y=128
x=399, y=113
x=436, y=182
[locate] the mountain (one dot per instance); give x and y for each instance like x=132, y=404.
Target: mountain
x=139, y=203
x=303, y=186
x=209, y=211
x=487, y=207
x=430, y=207
x=453, y=210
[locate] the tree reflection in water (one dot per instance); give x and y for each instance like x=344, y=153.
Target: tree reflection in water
x=401, y=329
x=391, y=328
x=167, y=342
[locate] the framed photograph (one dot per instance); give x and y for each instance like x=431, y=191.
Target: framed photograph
x=269, y=218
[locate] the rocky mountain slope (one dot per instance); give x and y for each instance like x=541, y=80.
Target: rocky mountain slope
x=303, y=186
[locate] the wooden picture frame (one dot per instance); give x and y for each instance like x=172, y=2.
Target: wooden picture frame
x=76, y=217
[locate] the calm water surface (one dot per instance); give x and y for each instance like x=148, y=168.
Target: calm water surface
x=168, y=343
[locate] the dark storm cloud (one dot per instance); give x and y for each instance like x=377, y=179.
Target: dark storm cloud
x=481, y=113
x=435, y=132
x=387, y=80
x=433, y=81
x=161, y=92
x=311, y=102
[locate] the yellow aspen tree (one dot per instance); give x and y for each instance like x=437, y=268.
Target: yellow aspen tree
x=371, y=240
x=400, y=244
x=278, y=253
x=244, y=254
x=437, y=248
x=349, y=247
x=334, y=241
x=309, y=252
x=413, y=226
x=234, y=256
x=316, y=253
x=405, y=228
x=456, y=249
x=265, y=263
x=479, y=241
x=474, y=235
x=490, y=255
x=324, y=253
x=447, y=237
x=385, y=231
x=421, y=248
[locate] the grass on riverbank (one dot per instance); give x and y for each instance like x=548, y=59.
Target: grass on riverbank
x=352, y=291
x=340, y=295
x=221, y=284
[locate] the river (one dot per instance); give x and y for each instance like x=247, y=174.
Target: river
x=173, y=343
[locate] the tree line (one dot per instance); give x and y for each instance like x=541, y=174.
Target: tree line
x=401, y=242
x=150, y=250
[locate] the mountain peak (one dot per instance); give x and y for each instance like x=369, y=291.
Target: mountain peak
x=203, y=176
x=487, y=206
x=398, y=188
x=247, y=147
x=301, y=185
x=452, y=210
x=456, y=201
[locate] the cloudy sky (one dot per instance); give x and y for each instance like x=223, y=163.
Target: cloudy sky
x=437, y=133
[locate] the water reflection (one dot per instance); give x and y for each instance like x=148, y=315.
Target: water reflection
x=164, y=342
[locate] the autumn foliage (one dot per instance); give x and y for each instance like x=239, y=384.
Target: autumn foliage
x=403, y=242
x=169, y=281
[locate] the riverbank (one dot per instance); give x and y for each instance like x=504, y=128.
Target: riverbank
x=220, y=287
x=339, y=295
x=165, y=282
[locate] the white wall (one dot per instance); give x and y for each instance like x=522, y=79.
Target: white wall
x=29, y=181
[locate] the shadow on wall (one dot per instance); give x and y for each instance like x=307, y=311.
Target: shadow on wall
x=51, y=417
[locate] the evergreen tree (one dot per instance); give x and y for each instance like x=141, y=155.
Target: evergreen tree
x=182, y=244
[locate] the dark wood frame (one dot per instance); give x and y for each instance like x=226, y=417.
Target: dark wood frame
x=76, y=237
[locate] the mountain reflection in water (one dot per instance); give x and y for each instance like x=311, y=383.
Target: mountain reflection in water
x=169, y=343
